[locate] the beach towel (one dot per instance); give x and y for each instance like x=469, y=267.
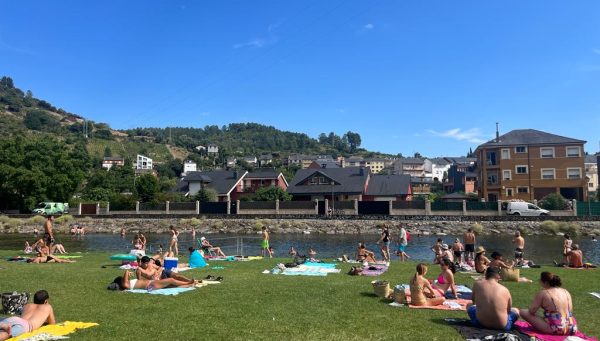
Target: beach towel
x=466, y=329
x=53, y=331
x=304, y=270
x=178, y=270
x=320, y=265
x=459, y=304
x=66, y=256
x=17, y=259
x=196, y=260
x=527, y=328
x=595, y=294
x=166, y=291
x=374, y=270
x=128, y=267
x=217, y=267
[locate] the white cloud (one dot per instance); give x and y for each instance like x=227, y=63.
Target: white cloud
x=259, y=42
x=472, y=135
x=253, y=43
x=369, y=26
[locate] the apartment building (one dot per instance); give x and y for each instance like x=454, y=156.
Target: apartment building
x=529, y=164
x=592, y=163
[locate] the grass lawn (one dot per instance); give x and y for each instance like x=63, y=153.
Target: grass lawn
x=249, y=305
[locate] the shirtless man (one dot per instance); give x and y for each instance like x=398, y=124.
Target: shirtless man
x=34, y=316
x=469, y=240
x=437, y=250
x=149, y=270
x=492, y=303
x=575, y=257
x=519, y=242
x=264, y=246
x=48, y=232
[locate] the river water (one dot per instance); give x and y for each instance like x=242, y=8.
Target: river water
x=540, y=249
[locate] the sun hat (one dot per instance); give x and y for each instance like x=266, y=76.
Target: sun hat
x=480, y=249
x=203, y=238
x=444, y=246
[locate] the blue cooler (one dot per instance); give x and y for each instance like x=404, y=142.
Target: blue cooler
x=171, y=262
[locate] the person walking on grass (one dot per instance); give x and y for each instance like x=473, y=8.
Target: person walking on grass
x=173, y=247
x=264, y=246
x=469, y=240
x=48, y=231
x=34, y=315
x=384, y=243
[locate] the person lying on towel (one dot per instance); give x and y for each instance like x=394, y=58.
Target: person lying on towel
x=34, y=315
x=492, y=303
x=126, y=282
x=148, y=269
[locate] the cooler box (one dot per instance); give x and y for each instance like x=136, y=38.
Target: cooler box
x=171, y=262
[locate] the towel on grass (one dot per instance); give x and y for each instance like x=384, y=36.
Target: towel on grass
x=320, y=265
x=458, y=304
x=53, y=331
x=374, y=270
x=178, y=270
x=527, y=328
x=66, y=256
x=304, y=270
x=165, y=291
x=595, y=294
x=128, y=267
x=466, y=329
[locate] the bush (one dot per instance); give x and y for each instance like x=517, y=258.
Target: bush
x=87, y=220
x=64, y=219
x=553, y=201
x=258, y=225
x=571, y=229
x=477, y=228
x=36, y=220
x=549, y=226
x=217, y=225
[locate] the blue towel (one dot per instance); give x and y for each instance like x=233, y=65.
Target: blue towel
x=166, y=291
x=305, y=273
x=196, y=260
x=321, y=265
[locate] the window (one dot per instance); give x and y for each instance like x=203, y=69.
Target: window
x=590, y=185
x=314, y=180
x=521, y=169
x=506, y=175
x=492, y=179
x=548, y=173
x=573, y=152
x=574, y=173
x=522, y=189
x=505, y=154
x=546, y=153
x=532, y=207
x=509, y=192
x=491, y=158
x=521, y=149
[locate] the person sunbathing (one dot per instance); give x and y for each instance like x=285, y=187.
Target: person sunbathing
x=148, y=269
x=34, y=315
x=312, y=254
x=58, y=248
x=44, y=256
x=421, y=292
x=445, y=280
x=557, y=305
x=481, y=261
x=28, y=249
x=126, y=283
x=207, y=246
x=492, y=303
x=364, y=255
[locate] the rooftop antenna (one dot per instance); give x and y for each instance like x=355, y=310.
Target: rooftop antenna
x=497, y=132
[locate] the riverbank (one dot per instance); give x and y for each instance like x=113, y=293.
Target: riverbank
x=299, y=226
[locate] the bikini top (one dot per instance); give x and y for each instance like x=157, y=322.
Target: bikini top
x=441, y=279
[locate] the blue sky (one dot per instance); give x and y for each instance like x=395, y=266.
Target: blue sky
x=409, y=76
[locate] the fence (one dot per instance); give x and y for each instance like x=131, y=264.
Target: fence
x=409, y=205
x=446, y=206
x=182, y=206
x=150, y=206
x=482, y=206
x=588, y=208
x=257, y=205
x=374, y=207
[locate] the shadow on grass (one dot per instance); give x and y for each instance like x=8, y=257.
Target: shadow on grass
x=368, y=294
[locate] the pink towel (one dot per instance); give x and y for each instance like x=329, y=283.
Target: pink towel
x=525, y=327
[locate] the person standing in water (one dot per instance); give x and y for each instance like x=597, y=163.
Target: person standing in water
x=385, y=247
x=48, y=231
x=173, y=247
x=402, y=244
x=519, y=242
x=469, y=239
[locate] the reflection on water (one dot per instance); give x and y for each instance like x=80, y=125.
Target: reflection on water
x=540, y=249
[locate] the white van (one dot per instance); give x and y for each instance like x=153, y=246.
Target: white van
x=525, y=209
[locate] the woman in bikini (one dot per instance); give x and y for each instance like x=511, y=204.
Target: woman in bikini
x=445, y=280
x=421, y=292
x=567, y=247
x=362, y=254
x=557, y=305
x=173, y=244
x=481, y=261
x=127, y=281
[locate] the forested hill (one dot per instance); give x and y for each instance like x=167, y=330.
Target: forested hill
x=22, y=113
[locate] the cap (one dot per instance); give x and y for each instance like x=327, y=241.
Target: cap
x=444, y=246
x=203, y=238
x=480, y=249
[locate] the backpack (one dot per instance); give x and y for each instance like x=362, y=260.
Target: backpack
x=13, y=302
x=407, y=236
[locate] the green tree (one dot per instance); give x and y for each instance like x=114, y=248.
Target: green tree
x=271, y=194
x=107, y=152
x=147, y=187
x=206, y=195
x=354, y=140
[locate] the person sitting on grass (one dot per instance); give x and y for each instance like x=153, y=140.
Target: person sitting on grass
x=445, y=280
x=364, y=255
x=421, y=292
x=575, y=257
x=149, y=270
x=126, y=283
x=298, y=258
x=492, y=303
x=34, y=315
x=481, y=261
x=28, y=249
x=557, y=305
x=499, y=262
x=312, y=253
x=58, y=248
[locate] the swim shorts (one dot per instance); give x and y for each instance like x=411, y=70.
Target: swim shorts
x=469, y=247
x=264, y=244
x=17, y=325
x=512, y=317
x=402, y=247
x=519, y=253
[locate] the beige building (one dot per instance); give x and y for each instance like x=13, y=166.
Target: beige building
x=529, y=164
x=591, y=173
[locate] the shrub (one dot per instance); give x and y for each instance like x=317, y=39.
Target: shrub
x=195, y=222
x=36, y=220
x=4, y=219
x=549, y=226
x=64, y=219
x=571, y=229
x=553, y=201
x=217, y=225
x=13, y=222
x=258, y=225
x=87, y=220
x=477, y=228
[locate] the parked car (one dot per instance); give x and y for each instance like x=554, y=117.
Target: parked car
x=525, y=209
x=51, y=208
